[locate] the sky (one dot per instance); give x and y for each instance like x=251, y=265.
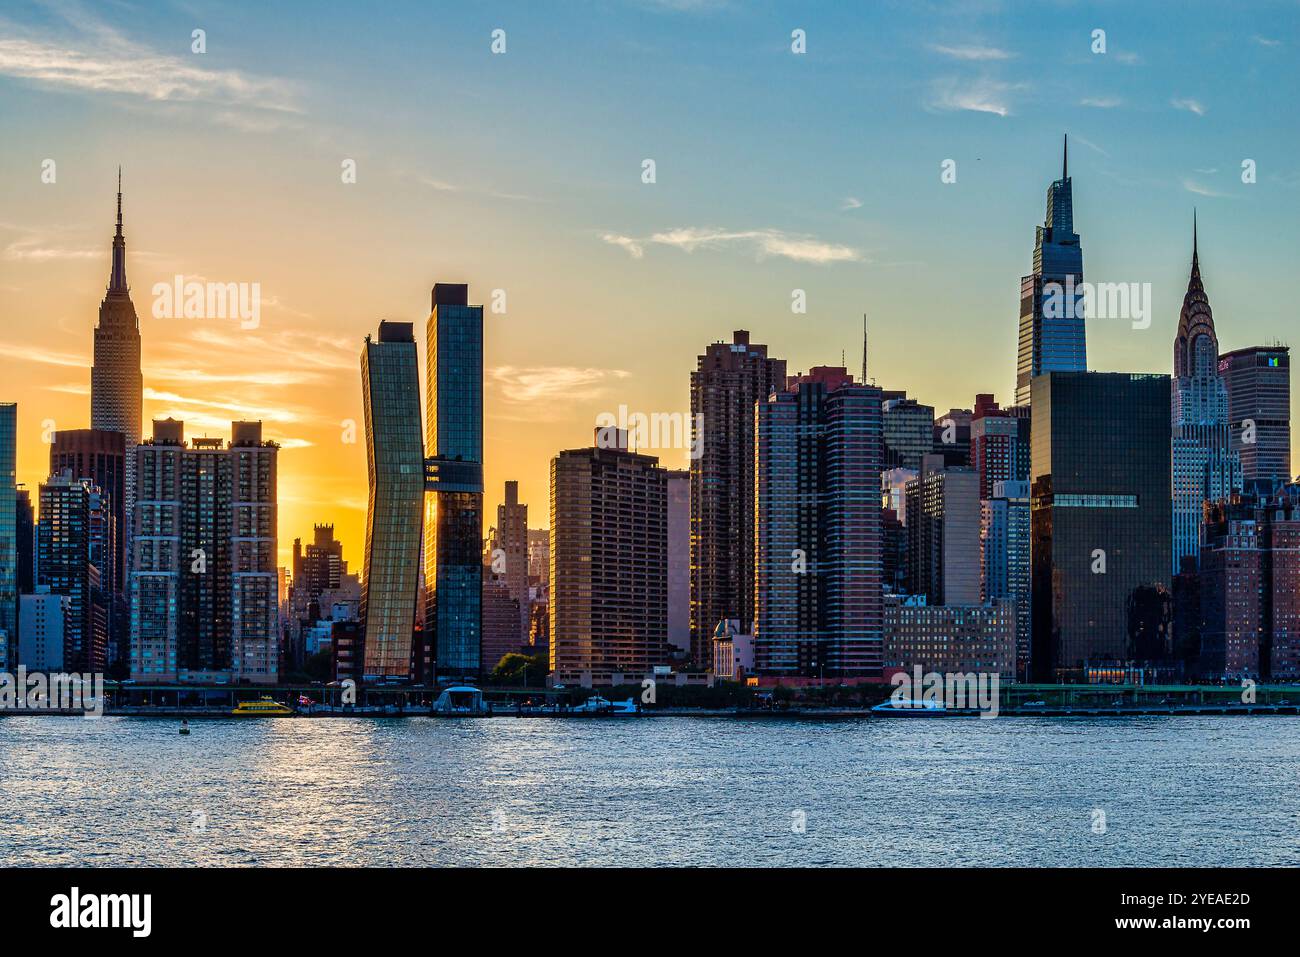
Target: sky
x=521, y=171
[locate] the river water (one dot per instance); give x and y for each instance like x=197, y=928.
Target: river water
x=1176, y=791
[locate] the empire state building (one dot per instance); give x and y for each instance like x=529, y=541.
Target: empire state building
x=116, y=385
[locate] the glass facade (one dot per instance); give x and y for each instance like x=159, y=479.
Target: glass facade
x=390, y=381
x=1052, y=336
x=453, y=532
x=1100, y=513
x=8, y=535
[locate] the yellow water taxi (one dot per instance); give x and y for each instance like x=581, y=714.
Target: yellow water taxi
x=261, y=708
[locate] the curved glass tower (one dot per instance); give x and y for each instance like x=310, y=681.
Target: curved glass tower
x=390, y=383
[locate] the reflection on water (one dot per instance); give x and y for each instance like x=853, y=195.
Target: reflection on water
x=410, y=792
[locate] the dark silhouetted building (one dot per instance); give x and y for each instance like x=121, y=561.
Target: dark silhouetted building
x=100, y=456
x=75, y=539
x=1100, y=513
x=8, y=534
x=729, y=379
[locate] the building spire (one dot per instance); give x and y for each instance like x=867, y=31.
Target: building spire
x=1196, y=318
x=864, y=348
x=1196, y=259
x=117, y=277
x=1065, y=158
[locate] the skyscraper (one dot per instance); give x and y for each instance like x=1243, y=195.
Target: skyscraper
x=679, y=560
x=510, y=555
x=999, y=444
x=1259, y=411
x=1100, y=513
x=453, y=518
x=1205, y=469
x=8, y=533
x=909, y=432
x=728, y=380
x=819, y=549
x=204, y=583
x=390, y=386
x=116, y=384
x=609, y=563
x=1004, y=557
x=74, y=542
x=943, y=533
x=1052, y=335
x=100, y=456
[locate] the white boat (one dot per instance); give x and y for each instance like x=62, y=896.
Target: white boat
x=598, y=705
x=910, y=708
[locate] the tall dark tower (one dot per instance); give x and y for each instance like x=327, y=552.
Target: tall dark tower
x=453, y=516
x=1051, y=308
x=730, y=377
x=116, y=385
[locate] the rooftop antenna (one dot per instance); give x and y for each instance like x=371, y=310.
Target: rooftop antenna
x=864, y=348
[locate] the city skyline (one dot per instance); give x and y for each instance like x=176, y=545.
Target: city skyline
x=575, y=339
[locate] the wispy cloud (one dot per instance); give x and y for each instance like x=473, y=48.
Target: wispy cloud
x=1266, y=41
x=982, y=95
x=764, y=242
x=972, y=52
x=28, y=353
x=127, y=68
x=1075, y=137
x=37, y=250
x=1101, y=102
x=1188, y=104
x=443, y=186
x=851, y=202
x=1200, y=189
x=92, y=57
x=552, y=383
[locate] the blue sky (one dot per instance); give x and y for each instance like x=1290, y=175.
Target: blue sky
x=522, y=171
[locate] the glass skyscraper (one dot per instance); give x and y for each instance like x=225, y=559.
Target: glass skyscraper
x=1100, y=514
x=1052, y=335
x=390, y=383
x=8, y=535
x=453, y=520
